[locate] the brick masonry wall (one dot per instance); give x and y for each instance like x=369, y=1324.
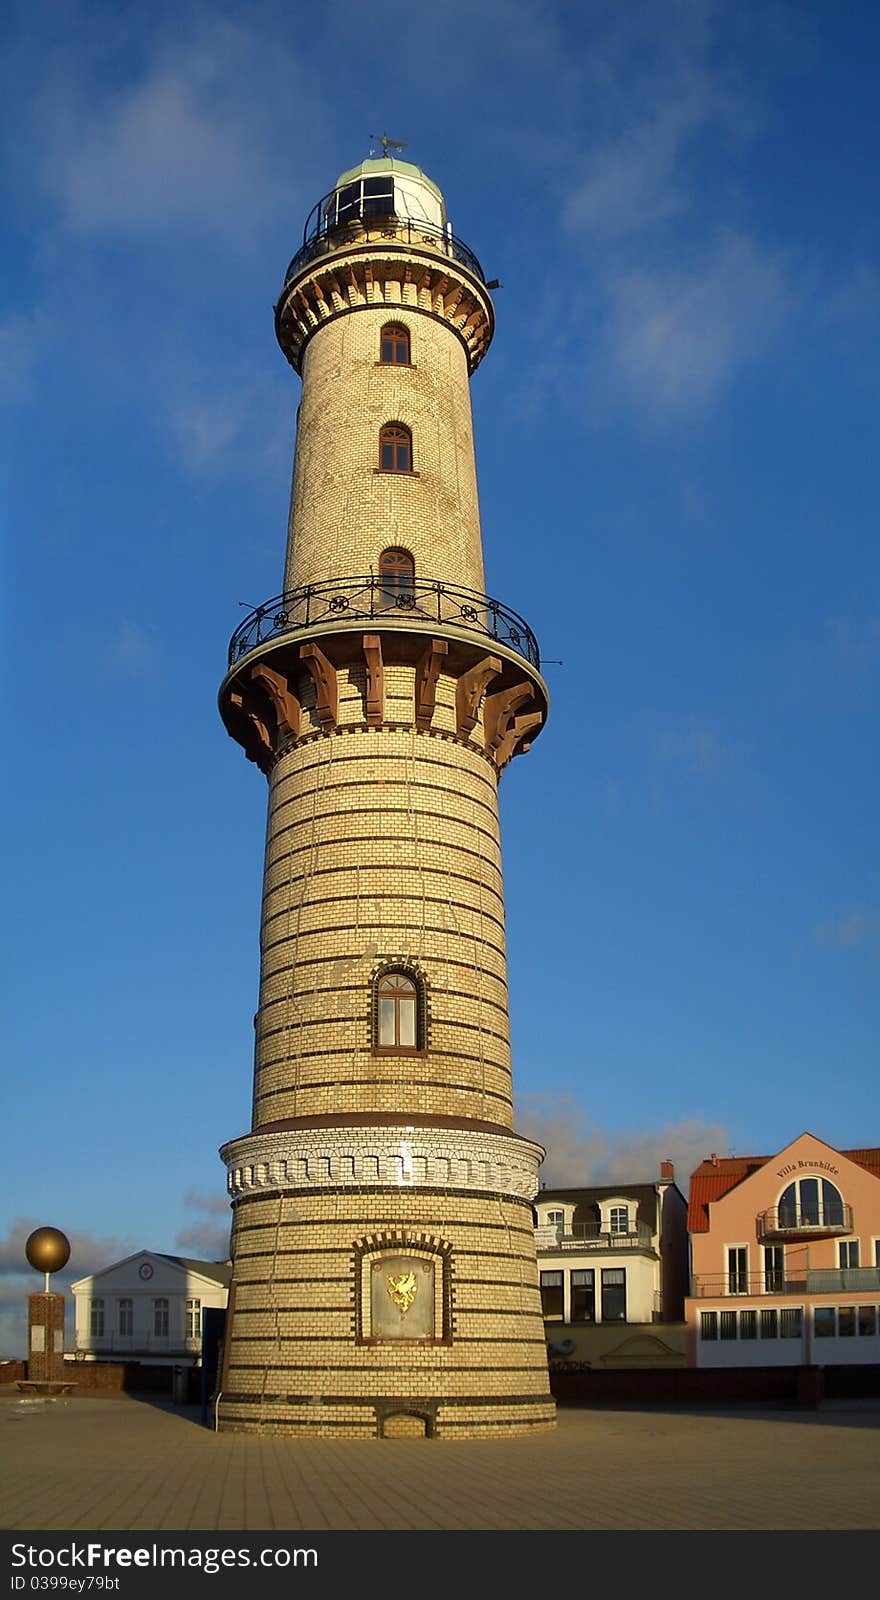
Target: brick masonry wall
x=295, y=1359
x=382, y=845
x=343, y=512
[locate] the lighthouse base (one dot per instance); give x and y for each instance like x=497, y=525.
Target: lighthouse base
x=404, y=1310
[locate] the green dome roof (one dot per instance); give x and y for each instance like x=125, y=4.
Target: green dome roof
x=376, y=164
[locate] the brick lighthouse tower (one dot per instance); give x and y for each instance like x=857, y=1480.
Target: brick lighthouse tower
x=385, y=1278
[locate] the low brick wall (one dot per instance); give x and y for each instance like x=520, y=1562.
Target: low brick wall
x=113, y=1377
x=695, y=1386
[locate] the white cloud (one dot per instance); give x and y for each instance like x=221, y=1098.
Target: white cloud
x=849, y=930
x=188, y=144
x=678, y=336
x=579, y=1153
x=691, y=744
x=235, y=424
x=24, y=341
x=134, y=649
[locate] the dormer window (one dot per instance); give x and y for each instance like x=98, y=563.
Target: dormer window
x=618, y=1219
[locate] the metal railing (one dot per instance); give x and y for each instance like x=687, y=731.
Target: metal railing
x=321, y=235
x=376, y=600
x=777, y=1221
x=591, y=1236
x=736, y=1284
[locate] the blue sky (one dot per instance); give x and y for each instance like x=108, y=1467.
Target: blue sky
x=677, y=449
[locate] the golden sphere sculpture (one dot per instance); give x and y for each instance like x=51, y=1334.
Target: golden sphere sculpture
x=47, y=1249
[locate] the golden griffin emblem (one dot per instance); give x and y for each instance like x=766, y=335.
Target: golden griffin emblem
x=403, y=1290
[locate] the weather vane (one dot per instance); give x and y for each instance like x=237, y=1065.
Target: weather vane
x=386, y=143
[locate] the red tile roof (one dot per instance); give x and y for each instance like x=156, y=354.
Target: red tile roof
x=712, y=1179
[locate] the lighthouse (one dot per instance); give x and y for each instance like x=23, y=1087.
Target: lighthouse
x=384, y=1271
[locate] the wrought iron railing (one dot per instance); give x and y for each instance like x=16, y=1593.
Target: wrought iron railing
x=833, y=1217
x=322, y=236
x=377, y=600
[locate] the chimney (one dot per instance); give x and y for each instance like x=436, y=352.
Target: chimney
x=667, y=1172
x=714, y=1159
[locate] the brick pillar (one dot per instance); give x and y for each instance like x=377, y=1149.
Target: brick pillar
x=45, y=1337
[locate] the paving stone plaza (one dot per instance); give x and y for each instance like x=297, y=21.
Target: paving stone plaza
x=125, y=1464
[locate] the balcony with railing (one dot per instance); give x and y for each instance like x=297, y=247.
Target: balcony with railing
x=591, y=1236
x=819, y=1222
x=418, y=602
x=804, y=1280
x=342, y=218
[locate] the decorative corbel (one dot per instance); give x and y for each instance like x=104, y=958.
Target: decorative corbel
x=254, y=736
x=516, y=737
x=323, y=675
x=469, y=692
x=286, y=705
x=499, y=710
x=375, y=695
x=427, y=673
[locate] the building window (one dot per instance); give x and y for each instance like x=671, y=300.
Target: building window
x=399, y=1021
x=774, y=1268
x=126, y=1317
x=552, y=1297
x=395, y=448
x=394, y=350
x=848, y=1254
x=619, y=1219
x=825, y=1322
x=365, y=198
x=708, y=1325
x=613, y=1294
x=728, y=1324
x=96, y=1319
x=748, y=1325
x=583, y=1296
x=811, y=1203
x=770, y=1324
x=791, y=1319
x=867, y=1322
x=397, y=572
x=738, y=1269
x=194, y=1319
x=160, y=1319
x=846, y=1322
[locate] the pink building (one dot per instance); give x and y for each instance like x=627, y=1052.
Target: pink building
x=785, y=1258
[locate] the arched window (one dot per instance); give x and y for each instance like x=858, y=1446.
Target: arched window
x=397, y=571
x=395, y=448
x=398, y=1012
x=811, y=1203
x=394, y=350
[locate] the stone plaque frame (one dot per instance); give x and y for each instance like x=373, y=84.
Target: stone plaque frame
x=370, y=1259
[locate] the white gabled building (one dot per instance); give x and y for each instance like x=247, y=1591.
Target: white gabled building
x=612, y=1261
x=148, y=1308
